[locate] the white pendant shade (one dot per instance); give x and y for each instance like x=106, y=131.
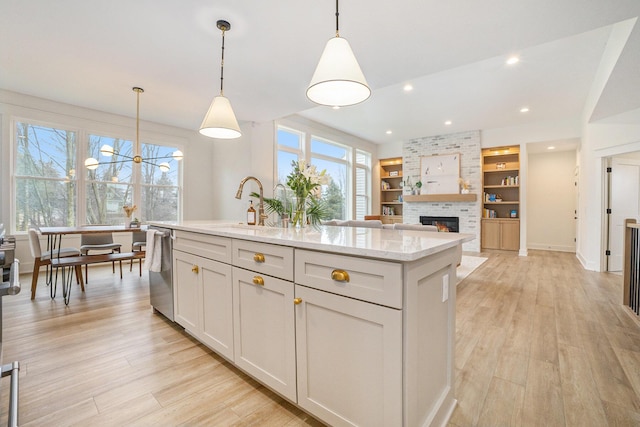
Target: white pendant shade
x=220, y=122
x=338, y=79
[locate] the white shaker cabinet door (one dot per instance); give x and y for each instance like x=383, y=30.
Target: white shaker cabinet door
x=217, y=307
x=264, y=334
x=349, y=356
x=186, y=291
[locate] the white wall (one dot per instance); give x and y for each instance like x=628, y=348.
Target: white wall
x=551, y=201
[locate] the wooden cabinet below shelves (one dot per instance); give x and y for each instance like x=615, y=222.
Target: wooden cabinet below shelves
x=501, y=234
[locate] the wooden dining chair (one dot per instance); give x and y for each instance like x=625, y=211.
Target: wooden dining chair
x=41, y=259
x=102, y=243
x=139, y=244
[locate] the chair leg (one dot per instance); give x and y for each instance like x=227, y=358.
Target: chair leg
x=120, y=269
x=86, y=273
x=140, y=264
x=79, y=277
x=34, y=277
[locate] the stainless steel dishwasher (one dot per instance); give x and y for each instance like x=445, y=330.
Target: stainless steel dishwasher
x=161, y=282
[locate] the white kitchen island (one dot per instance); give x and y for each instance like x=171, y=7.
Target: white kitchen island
x=354, y=325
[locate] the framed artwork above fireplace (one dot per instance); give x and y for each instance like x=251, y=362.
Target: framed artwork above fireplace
x=440, y=174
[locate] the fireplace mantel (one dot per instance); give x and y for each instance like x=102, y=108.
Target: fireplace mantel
x=441, y=198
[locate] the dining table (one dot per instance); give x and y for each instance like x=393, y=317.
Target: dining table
x=54, y=244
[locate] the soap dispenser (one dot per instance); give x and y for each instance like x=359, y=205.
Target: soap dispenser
x=251, y=214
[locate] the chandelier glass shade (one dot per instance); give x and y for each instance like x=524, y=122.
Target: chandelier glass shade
x=338, y=80
x=117, y=157
x=220, y=121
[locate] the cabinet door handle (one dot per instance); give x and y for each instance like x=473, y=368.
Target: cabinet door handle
x=340, y=276
x=195, y=269
x=257, y=280
x=258, y=257
x=297, y=301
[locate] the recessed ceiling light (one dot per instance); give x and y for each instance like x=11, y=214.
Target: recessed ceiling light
x=524, y=110
x=448, y=122
x=551, y=147
x=336, y=107
x=407, y=88
x=389, y=132
x=513, y=60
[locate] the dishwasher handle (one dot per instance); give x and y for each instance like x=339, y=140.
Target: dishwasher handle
x=12, y=287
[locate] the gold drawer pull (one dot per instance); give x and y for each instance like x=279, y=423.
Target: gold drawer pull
x=195, y=269
x=257, y=280
x=297, y=301
x=258, y=257
x=340, y=276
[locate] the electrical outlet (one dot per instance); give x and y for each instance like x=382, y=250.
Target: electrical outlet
x=445, y=287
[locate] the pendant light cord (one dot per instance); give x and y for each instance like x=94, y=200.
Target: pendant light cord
x=222, y=66
x=337, y=14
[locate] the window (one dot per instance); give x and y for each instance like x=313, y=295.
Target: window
x=335, y=159
x=44, y=182
x=50, y=190
x=348, y=195
x=363, y=184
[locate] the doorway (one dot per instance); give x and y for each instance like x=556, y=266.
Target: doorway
x=624, y=195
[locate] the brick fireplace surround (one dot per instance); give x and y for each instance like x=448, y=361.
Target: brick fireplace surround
x=468, y=145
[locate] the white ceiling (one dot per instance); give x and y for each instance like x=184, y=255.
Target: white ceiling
x=91, y=53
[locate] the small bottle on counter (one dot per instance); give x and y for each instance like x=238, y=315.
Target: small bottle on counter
x=251, y=214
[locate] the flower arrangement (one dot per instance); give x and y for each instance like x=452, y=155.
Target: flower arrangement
x=465, y=185
x=129, y=210
x=305, y=181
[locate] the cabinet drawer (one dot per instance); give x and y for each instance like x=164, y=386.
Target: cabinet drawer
x=204, y=245
x=375, y=281
x=272, y=260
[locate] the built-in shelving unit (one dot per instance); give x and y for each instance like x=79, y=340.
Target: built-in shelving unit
x=501, y=198
x=391, y=190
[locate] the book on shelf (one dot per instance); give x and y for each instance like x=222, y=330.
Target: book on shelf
x=489, y=213
x=385, y=185
x=510, y=180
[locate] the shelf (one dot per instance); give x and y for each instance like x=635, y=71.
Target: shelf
x=505, y=202
x=391, y=176
x=391, y=203
x=471, y=197
x=501, y=186
x=501, y=219
x=501, y=170
x=392, y=189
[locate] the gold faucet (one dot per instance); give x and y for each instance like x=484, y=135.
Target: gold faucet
x=261, y=215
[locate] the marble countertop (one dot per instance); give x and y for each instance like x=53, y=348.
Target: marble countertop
x=388, y=244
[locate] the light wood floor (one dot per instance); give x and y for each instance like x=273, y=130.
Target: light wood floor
x=540, y=341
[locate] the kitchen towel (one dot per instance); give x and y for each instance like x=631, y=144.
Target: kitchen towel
x=153, y=257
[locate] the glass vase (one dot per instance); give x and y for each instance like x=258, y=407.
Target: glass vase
x=299, y=219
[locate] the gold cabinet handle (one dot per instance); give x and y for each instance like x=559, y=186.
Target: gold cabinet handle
x=257, y=280
x=258, y=257
x=340, y=276
x=195, y=269
x=297, y=301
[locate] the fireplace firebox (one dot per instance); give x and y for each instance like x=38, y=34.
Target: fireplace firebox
x=444, y=223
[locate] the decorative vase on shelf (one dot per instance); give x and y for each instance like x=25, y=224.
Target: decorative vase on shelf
x=127, y=222
x=464, y=191
x=299, y=219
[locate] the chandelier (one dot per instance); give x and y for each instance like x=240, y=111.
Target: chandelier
x=108, y=151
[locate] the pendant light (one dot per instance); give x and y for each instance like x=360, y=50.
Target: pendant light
x=338, y=80
x=220, y=122
x=108, y=151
